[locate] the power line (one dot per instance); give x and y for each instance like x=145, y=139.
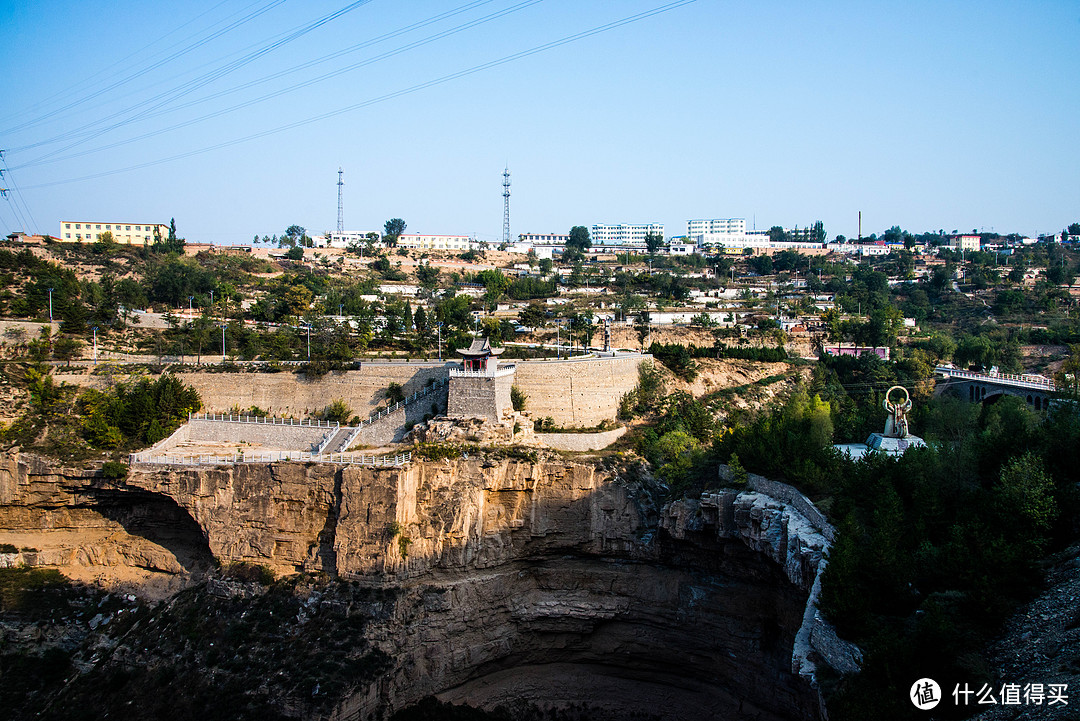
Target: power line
x=197, y=83
x=153, y=66
x=52, y=156
x=121, y=61
x=388, y=96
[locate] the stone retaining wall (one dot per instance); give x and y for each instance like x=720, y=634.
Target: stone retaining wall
x=300, y=438
x=578, y=392
x=580, y=441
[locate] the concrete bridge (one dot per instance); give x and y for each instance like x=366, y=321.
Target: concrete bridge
x=989, y=387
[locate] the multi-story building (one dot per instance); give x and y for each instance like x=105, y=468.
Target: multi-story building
x=346, y=239
x=125, y=233
x=757, y=241
x=624, y=234
x=544, y=238
x=436, y=242
x=965, y=242
x=716, y=226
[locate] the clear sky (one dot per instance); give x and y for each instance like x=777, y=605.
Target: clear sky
x=928, y=115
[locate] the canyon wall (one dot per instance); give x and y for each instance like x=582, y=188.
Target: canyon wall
x=549, y=584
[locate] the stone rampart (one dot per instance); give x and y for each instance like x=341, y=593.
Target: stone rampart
x=573, y=392
x=577, y=392
x=580, y=441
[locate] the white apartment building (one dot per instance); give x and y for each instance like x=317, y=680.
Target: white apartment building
x=623, y=234
x=965, y=242
x=345, y=239
x=72, y=231
x=716, y=226
x=544, y=238
x=755, y=239
x=436, y=242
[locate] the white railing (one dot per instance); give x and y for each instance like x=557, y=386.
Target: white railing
x=325, y=441
x=264, y=420
x=402, y=403
x=1025, y=380
x=271, y=457
x=486, y=373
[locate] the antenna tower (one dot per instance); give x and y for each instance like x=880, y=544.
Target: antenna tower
x=506, y=204
x=340, y=214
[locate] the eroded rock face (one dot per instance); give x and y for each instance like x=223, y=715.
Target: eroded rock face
x=548, y=584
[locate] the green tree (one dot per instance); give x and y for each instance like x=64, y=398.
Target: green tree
x=654, y=242
x=65, y=348
x=642, y=327
x=777, y=234
x=546, y=265
x=392, y=230
x=577, y=244
x=533, y=316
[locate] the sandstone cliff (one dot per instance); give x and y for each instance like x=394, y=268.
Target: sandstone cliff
x=547, y=584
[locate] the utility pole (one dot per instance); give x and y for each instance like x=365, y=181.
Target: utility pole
x=95, y=345
x=506, y=204
x=438, y=328
x=223, y=327
x=50, y=305
x=340, y=214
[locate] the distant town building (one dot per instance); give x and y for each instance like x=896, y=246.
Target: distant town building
x=682, y=248
x=544, y=238
x=716, y=226
x=346, y=239
x=437, y=242
x=965, y=242
x=126, y=233
x=623, y=234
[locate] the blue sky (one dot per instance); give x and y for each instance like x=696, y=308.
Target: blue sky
x=927, y=115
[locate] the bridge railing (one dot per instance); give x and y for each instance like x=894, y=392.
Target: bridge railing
x=1022, y=380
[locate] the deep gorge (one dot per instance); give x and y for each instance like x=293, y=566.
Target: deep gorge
x=548, y=587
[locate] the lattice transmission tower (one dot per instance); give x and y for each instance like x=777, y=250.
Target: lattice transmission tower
x=506, y=204
x=340, y=213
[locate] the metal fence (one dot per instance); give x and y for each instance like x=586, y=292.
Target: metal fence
x=263, y=420
x=1013, y=379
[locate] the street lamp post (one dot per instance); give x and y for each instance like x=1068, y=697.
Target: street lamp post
x=50, y=304
x=189, y=299
x=438, y=328
x=95, y=345
x=223, y=327
x=340, y=307
x=309, y=341
x=558, y=339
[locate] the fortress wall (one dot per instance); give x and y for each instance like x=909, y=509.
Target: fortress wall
x=289, y=394
x=577, y=392
x=572, y=392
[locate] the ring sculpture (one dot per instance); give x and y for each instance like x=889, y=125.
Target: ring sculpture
x=896, y=426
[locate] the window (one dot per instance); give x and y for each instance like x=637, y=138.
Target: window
x=99, y=227
x=68, y=226
x=137, y=228
x=76, y=226
x=127, y=227
x=108, y=227
x=68, y=235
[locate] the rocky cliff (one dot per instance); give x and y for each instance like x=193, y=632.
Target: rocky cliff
x=550, y=585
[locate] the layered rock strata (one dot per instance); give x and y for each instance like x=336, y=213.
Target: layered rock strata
x=550, y=584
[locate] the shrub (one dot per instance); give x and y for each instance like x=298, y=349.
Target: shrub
x=518, y=398
x=114, y=470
